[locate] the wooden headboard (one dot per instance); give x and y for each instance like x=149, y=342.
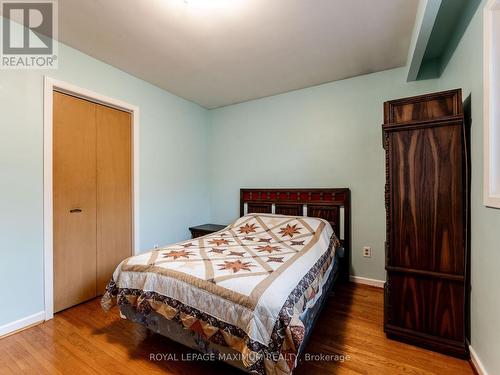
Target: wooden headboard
x=333, y=205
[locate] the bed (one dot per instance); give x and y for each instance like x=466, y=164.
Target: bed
x=250, y=293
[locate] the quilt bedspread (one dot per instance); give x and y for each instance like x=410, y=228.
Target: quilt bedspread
x=244, y=284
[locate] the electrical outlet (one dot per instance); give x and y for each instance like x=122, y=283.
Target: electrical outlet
x=367, y=252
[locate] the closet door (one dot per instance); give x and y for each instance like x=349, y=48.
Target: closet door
x=74, y=200
x=114, y=191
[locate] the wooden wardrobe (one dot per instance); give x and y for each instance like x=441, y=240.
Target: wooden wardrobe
x=92, y=196
x=427, y=202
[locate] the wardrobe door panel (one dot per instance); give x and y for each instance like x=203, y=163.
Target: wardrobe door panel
x=114, y=191
x=409, y=298
x=428, y=199
x=74, y=200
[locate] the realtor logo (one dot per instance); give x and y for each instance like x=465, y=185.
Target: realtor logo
x=29, y=39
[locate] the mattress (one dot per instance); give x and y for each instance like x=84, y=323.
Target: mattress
x=245, y=288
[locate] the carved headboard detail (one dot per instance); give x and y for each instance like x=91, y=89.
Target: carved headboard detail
x=333, y=205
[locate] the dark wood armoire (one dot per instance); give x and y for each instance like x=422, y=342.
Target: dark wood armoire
x=427, y=202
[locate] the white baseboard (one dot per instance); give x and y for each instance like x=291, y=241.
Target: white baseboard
x=18, y=325
x=476, y=362
x=367, y=281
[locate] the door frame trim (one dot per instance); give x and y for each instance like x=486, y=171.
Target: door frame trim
x=51, y=85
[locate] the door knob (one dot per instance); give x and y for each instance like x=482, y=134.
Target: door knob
x=75, y=211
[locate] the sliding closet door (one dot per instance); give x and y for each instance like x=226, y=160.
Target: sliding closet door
x=114, y=191
x=74, y=200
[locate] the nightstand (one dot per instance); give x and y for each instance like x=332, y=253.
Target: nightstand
x=202, y=230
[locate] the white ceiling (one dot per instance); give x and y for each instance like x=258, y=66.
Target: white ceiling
x=220, y=52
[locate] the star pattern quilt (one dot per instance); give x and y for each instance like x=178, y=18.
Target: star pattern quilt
x=244, y=283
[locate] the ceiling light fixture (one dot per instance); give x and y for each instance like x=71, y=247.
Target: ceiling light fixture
x=211, y=4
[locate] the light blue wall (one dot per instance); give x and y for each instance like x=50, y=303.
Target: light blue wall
x=173, y=149
x=465, y=69
x=329, y=136
x=324, y=136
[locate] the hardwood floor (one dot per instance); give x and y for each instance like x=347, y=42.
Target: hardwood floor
x=85, y=340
